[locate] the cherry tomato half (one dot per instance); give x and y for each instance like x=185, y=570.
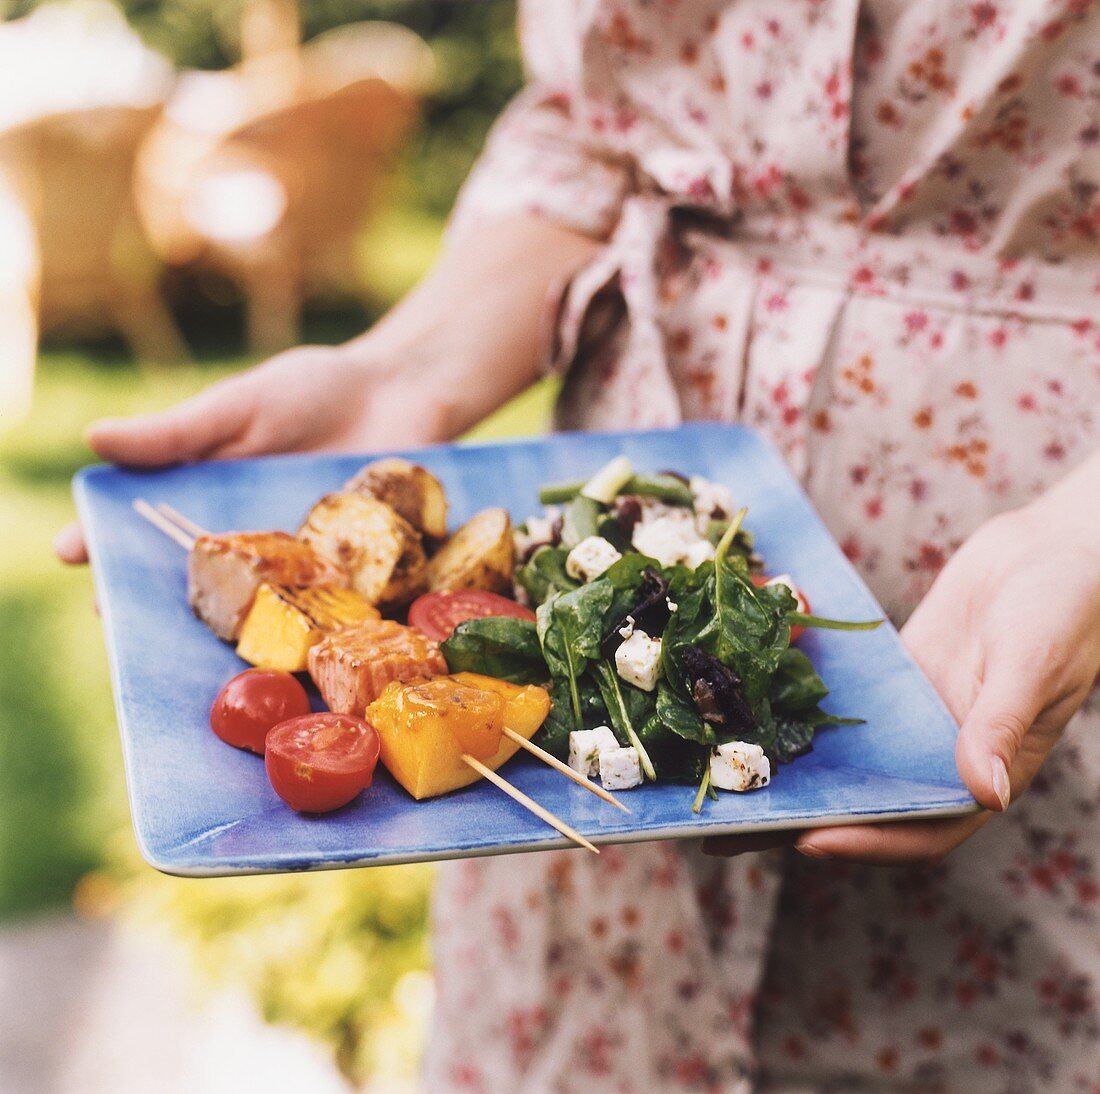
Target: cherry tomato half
x=760, y=580
x=254, y=701
x=437, y=614
x=319, y=762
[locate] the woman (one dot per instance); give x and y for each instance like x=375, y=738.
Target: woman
x=872, y=231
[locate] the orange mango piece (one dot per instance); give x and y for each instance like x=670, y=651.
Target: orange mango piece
x=426, y=726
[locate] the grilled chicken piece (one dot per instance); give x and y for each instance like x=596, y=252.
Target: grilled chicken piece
x=351, y=667
x=412, y=491
x=225, y=570
x=283, y=624
x=381, y=550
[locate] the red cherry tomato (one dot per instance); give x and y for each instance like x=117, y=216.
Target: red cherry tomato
x=437, y=614
x=760, y=580
x=254, y=701
x=319, y=762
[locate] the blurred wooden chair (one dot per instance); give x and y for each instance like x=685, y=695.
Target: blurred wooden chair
x=275, y=198
x=73, y=172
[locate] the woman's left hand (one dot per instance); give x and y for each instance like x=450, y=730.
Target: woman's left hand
x=1009, y=634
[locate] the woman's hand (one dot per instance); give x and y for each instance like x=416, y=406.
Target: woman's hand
x=1009, y=635
x=461, y=344
x=314, y=398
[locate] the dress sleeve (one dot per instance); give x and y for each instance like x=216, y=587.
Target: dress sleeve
x=544, y=155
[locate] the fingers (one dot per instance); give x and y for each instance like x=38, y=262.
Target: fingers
x=196, y=429
x=906, y=843
x=991, y=734
x=69, y=545
x=728, y=846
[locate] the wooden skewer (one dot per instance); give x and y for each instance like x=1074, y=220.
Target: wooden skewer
x=565, y=769
x=186, y=523
x=159, y=521
x=528, y=803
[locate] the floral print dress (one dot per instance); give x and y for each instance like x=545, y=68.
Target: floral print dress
x=871, y=230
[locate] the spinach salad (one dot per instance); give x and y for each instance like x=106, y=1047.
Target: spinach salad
x=666, y=650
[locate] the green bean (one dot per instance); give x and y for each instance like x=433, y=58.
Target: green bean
x=665, y=488
x=560, y=492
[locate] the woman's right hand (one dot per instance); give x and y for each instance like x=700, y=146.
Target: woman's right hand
x=313, y=398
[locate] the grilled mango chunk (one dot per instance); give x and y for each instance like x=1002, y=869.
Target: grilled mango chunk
x=426, y=726
x=284, y=624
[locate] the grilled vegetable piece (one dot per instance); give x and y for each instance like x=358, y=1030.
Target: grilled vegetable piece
x=479, y=555
x=284, y=624
x=383, y=553
x=225, y=570
x=351, y=667
x=412, y=491
x=425, y=728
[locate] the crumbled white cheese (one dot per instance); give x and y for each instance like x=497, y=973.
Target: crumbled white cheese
x=672, y=605
x=590, y=558
x=638, y=660
x=539, y=530
x=738, y=765
x=627, y=629
x=585, y=747
x=712, y=499
x=620, y=768
x=698, y=553
x=667, y=538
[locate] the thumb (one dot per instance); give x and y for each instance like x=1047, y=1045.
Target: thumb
x=991, y=734
x=196, y=429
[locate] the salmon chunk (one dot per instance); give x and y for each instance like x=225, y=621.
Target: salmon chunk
x=225, y=570
x=351, y=668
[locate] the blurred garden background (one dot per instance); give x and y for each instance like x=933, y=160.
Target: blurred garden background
x=201, y=228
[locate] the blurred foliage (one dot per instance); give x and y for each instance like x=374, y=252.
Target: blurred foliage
x=342, y=955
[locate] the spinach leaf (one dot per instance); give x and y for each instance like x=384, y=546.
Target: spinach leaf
x=497, y=646
x=629, y=708
x=677, y=715
x=796, y=687
x=579, y=521
x=569, y=628
x=792, y=739
x=554, y=733
x=752, y=626
x=544, y=574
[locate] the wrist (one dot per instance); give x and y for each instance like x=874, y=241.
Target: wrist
x=1064, y=518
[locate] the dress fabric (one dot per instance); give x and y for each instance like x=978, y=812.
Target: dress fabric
x=871, y=230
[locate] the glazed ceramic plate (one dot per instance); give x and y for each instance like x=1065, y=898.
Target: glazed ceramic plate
x=203, y=808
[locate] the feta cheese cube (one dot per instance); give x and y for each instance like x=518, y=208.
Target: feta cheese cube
x=590, y=558
x=712, y=499
x=585, y=746
x=738, y=765
x=538, y=530
x=699, y=552
x=620, y=768
x=668, y=537
x=638, y=660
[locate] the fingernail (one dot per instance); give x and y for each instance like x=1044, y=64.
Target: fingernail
x=811, y=850
x=1000, y=782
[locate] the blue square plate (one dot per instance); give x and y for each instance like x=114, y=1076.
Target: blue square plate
x=202, y=808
